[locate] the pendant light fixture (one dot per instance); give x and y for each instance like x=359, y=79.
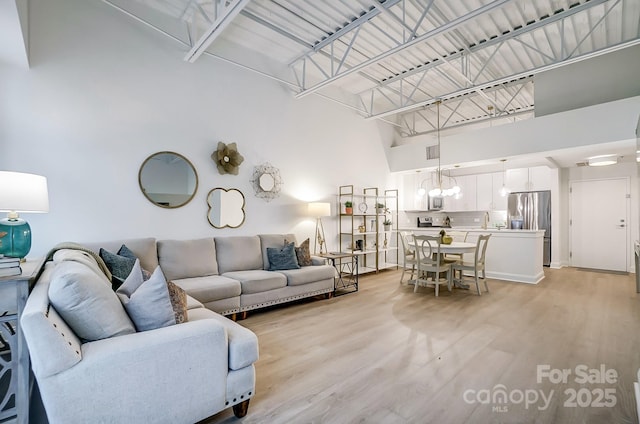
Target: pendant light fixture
x=438, y=190
x=504, y=191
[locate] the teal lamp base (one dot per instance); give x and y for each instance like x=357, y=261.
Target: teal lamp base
x=17, y=242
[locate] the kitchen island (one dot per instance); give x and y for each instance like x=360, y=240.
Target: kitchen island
x=513, y=255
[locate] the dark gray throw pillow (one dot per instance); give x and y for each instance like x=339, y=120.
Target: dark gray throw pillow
x=127, y=253
x=282, y=258
x=120, y=267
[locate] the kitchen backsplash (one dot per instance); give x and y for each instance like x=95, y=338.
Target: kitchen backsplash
x=458, y=219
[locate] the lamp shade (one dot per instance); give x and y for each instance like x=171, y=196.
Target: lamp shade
x=20, y=192
x=320, y=209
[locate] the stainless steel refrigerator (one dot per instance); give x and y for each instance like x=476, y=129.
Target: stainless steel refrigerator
x=531, y=210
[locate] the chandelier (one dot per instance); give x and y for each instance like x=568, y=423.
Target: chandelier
x=438, y=190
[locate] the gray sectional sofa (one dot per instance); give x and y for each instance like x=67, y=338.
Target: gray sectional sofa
x=181, y=373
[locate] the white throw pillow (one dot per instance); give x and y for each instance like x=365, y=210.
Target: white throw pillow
x=87, y=303
x=147, y=302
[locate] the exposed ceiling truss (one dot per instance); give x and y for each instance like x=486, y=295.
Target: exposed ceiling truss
x=394, y=59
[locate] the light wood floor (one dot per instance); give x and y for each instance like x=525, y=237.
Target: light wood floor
x=387, y=355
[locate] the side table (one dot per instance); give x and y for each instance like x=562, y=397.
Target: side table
x=14, y=355
x=346, y=265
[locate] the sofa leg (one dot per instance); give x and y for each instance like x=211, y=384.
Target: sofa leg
x=242, y=315
x=241, y=409
x=328, y=295
x=233, y=317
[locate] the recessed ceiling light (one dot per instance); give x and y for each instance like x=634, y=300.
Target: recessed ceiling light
x=603, y=160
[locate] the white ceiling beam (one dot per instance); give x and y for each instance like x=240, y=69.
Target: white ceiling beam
x=227, y=14
x=526, y=73
x=449, y=26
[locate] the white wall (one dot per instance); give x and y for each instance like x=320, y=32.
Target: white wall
x=602, y=123
x=104, y=92
x=602, y=79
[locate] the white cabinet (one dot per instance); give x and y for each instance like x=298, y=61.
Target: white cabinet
x=488, y=192
x=539, y=178
x=499, y=201
x=466, y=199
x=529, y=179
x=484, y=192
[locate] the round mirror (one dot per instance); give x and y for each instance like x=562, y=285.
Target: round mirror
x=168, y=179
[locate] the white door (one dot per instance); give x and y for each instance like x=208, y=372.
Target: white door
x=599, y=224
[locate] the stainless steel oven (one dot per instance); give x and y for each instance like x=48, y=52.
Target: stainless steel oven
x=435, y=203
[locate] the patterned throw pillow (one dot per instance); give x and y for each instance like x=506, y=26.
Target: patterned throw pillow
x=303, y=254
x=178, y=299
x=282, y=258
x=120, y=267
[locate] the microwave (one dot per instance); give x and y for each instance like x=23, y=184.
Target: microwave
x=436, y=203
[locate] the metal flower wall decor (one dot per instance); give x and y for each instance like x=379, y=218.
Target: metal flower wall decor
x=227, y=158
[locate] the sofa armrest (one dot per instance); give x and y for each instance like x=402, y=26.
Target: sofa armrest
x=172, y=374
x=317, y=260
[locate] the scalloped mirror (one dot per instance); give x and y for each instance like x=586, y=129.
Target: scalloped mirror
x=226, y=208
x=168, y=179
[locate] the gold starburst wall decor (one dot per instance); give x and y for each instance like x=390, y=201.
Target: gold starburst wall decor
x=227, y=158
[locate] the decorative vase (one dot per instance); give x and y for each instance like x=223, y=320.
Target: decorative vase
x=348, y=210
x=387, y=227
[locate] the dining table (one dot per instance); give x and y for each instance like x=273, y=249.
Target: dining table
x=459, y=247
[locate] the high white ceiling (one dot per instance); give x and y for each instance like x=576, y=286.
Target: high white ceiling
x=394, y=59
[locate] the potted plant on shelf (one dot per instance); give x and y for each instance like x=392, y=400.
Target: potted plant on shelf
x=348, y=208
x=380, y=208
x=387, y=224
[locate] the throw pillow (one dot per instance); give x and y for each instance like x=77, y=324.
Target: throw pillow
x=303, y=254
x=282, y=258
x=127, y=253
x=178, y=299
x=120, y=266
x=87, y=303
x=147, y=302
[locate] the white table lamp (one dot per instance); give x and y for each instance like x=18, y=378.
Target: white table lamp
x=20, y=192
x=319, y=209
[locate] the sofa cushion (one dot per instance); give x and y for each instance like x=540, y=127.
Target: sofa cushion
x=87, y=303
x=208, y=289
x=192, y=302
x=128, y=253
x=178, y=298
x=273, y=240
x=308, y=274
x=238, y=253
x=257, y=280
x=243, y=343
x=282, y=257
x=187, y=258
x=148, y=303
x=120, y=266
x=144, y=248
x=303, y=253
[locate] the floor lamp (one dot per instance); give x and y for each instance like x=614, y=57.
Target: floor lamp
x=319, y=209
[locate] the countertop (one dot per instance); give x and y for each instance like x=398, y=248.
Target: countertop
x=470, y=229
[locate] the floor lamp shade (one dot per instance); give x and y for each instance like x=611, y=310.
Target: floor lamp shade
x=20, y=192
x=319, y=209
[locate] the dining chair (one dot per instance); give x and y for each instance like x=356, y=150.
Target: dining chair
x=478, y=263
x=430, y=261
x=456, y=236
x=408, y=254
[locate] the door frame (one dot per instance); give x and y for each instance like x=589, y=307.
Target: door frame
x=630, y=266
